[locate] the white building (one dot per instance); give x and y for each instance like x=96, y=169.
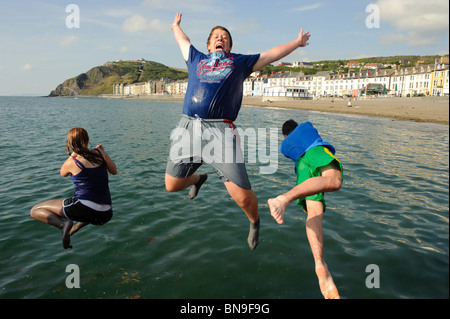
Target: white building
x=258, y=86
x=347, y=84
x=298, y=64
x=253, y=86
x=178, y=88
x=248, y=86
x=283, y=79
x=351, y=83
x=285, y=92
x=411, y=81
x=330, y=84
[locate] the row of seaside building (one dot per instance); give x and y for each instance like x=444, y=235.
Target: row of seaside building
x=426, y=80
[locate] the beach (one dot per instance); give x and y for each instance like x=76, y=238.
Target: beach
x=418, y=109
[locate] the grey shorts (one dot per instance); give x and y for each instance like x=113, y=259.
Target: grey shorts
x=216, y=142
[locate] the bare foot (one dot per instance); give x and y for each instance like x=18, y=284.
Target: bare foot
x=277, y=207
x=326, y=283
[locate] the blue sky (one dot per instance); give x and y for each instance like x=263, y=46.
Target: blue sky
x=38, y=51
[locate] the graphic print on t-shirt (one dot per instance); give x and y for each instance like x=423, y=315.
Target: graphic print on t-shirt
x=215, y=68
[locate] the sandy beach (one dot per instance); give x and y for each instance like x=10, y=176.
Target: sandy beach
x=419, y=109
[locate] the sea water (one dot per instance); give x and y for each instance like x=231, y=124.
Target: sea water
x=386, y=231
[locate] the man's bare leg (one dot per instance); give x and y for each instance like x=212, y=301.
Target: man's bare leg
x=247, y=200
x=315, y=237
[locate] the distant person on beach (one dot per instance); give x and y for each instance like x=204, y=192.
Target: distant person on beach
x=213, y=100
x=318, y=171
x=91, y=201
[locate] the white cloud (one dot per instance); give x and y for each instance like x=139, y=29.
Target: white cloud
x=310, y=7
x=416, y=22
x=123, y=49
x=26, y=67
x=412, y=38
x=66, y=40
x=117, y=13
x=181, y=6
x=138, y=23
x=415, y=15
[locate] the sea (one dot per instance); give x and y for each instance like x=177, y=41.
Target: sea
x=386, y=231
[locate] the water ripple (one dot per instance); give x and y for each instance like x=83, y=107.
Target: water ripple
x=392, y=210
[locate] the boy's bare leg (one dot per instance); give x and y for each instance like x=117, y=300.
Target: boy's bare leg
x=315, y=237
x=174, y=184
x=329, y=181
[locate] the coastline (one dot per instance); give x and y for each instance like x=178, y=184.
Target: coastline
x=418, y=109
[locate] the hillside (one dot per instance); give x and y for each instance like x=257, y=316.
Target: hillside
x=100, y=79
x=336, y=65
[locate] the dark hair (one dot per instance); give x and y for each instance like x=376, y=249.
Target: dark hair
x=77, y=141
x=288, y=127
x=221, y=28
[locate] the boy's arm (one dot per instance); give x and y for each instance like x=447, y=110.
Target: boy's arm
x=281, y=51
x=182, y=39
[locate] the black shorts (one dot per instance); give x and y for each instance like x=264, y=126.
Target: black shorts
x=76, y=211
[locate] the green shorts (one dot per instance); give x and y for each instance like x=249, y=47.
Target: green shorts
x=309, y=166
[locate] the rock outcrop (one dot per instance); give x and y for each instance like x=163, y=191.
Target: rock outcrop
x=100, y=79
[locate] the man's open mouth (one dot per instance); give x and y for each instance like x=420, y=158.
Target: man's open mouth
x=219, y=46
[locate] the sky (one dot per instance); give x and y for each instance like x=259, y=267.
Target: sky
x=42, y=44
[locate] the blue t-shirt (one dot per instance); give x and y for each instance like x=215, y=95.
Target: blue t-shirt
x=215, y=84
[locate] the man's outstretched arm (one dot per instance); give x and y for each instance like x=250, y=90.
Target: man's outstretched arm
x=281, y=51
x=182, y=39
